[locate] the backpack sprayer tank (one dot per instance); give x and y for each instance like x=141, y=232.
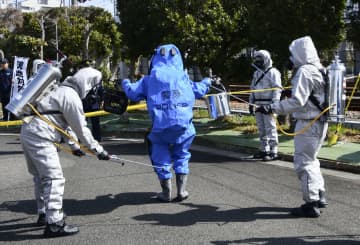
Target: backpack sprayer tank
x=336, y=91
x=45, y=80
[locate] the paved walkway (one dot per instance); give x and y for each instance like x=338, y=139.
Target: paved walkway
x=343, y=155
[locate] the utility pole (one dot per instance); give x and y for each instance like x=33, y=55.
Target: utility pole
x=57, y=40
x=42, y=37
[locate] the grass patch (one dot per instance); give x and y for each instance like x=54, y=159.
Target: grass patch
x=240, y=123
x=200, y=113
x=344, y=134
x=244, y=124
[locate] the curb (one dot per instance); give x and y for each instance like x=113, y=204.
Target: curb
x=125, y=133
x=324, y=163
x=11, y=130
x=199, y=140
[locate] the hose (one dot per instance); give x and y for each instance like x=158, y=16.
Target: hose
x=303, y=130
x=82, y=147
x=113, y=158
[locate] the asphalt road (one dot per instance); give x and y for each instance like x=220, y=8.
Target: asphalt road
x=232, y=202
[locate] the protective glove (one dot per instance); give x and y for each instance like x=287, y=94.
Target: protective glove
x=104, y=155
x=265, y=109
x=215, y=80
x=286, y=93
x=123, y=83
x=78, y=153
x=252, y=110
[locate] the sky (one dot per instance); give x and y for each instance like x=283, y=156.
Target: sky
x=106, y=4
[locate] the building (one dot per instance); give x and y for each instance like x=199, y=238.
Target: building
x=6, y=4
x=36, y=5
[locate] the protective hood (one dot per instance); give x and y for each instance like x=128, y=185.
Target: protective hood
x=303, y=52
x=167, y=55
x=265, y=56
x=83, y=81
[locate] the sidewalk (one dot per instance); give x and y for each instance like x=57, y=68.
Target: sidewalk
x=342, y=156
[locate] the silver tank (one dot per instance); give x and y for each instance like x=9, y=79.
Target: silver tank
x=218, y=105
x=336, y=91
x=45, y=80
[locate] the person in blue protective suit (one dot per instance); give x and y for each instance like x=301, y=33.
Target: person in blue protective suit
x=170, y=97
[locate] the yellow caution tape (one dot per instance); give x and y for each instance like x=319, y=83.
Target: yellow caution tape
x=251, y=91
x=88, y=114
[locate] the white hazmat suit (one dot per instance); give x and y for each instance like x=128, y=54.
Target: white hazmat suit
x=307, y=80
x=264, y=78
x=38, y=137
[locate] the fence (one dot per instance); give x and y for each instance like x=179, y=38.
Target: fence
x=350, y=83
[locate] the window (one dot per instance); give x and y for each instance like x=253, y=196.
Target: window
x=45, y=2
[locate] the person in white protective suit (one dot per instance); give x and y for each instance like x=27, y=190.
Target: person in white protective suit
x=305, y=103
x=265, y=77
x=63, y=107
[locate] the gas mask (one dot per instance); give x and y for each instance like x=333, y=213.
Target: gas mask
x=259, y=62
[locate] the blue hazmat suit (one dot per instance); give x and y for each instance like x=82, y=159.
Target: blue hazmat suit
x=170, y=97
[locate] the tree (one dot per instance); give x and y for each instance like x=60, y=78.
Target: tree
x=84, y=33
x=25, y=39
x=274, y=24
x=213, y=33
x=143, y=25
x=353, y=26
x=202, y=28
x=10, y=20
x=217, y=32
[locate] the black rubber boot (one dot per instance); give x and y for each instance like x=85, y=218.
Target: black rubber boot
x=322, y=202
x=270, y=157
x=165, y=195
x=307, y=210
x=182, y=194
x=260, y=155
x=41, y=221
x=59, y=229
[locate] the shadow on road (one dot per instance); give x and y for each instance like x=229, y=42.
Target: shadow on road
x=126, y=148
x=11, y=153
x=12, y=230
x=209, y=213
x=140, y=149
x=99, y=205
x=15, y=230
x=318, y=240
